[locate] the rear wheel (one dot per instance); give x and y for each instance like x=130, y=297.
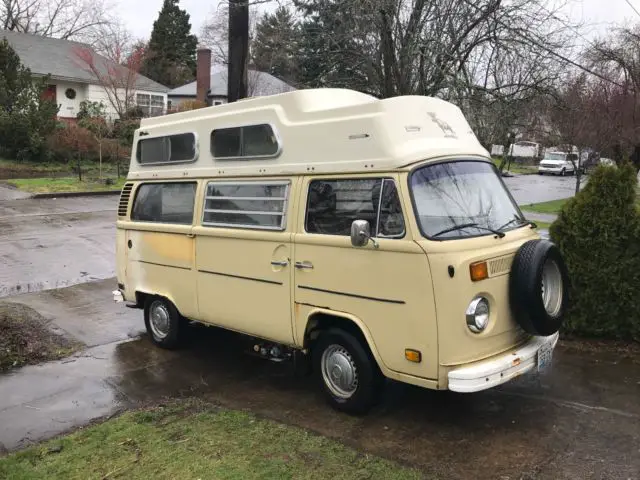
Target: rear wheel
x=563, y=172
x=164, y=323
x=347, y=372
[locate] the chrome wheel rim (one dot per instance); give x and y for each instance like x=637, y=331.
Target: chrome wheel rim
x=552, y=287
x=159, y=319
x=339, y=372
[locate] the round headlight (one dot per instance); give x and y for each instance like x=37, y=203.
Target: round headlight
x=478, y=314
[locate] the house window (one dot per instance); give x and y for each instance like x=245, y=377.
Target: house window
x=250, y=205
x=151, y=105
x=247, y=141
x=179, y=148
x=333, y=205
x=164, y=203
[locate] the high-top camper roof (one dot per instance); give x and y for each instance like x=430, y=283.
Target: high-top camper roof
x=305, y=131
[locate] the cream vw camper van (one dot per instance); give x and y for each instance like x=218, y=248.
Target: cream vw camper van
x=370, y=238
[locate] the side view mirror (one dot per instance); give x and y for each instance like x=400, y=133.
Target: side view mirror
x=361, y=234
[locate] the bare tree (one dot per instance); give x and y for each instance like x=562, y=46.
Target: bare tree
x=617, y=57
x=215, y=31
x=67, y=19
x=118, y=77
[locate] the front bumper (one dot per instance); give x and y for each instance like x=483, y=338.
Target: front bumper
x=501, y=368
x=556, y=170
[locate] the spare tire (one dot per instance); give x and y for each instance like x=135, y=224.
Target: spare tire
x=539, y=288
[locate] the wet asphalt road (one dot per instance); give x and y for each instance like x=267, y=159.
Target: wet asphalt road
x=582, y=421
x=528, y=189
x=52, y=243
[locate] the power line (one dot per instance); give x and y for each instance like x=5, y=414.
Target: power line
x=632, y=7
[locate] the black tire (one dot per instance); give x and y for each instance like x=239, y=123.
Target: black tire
x=176, y=324
x=369, y=378
x=525, y=288
x=563, y=172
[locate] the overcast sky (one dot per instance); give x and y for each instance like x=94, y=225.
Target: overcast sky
x=139, y=15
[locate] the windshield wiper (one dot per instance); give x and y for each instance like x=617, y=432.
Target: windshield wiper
x=523, y=223
x=469, y=225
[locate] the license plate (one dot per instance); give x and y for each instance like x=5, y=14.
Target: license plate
x=544, y=357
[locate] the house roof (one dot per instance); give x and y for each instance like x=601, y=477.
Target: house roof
x=260, y=84
x=59, y=58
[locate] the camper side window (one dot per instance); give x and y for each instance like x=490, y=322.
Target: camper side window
x=165, y=203
x=180, y=148
x=252, y=205
x=246, y=141
x=333, y=205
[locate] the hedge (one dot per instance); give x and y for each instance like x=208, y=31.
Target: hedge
x=598, y=232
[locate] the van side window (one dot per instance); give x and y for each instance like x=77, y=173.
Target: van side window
x=179, y=148
x=333, y=205
x=390, y=218
x=165, y=203
x=253, y=205
x=246, y=141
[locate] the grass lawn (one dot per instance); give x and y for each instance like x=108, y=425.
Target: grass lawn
x=191, y=440
x=64, y=184
x=552, y=207
x=543, y=225
x=516, y=167
x=10, y=169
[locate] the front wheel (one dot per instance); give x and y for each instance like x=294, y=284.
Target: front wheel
x=164, y=323
x=347, y=372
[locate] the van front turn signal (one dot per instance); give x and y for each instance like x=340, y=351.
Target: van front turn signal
x=479, y=271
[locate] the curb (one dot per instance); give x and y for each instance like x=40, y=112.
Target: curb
x=76, y=194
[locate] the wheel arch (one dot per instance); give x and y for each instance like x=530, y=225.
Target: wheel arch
x=321, y=319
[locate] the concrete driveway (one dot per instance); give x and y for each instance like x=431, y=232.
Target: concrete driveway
x=582, y=421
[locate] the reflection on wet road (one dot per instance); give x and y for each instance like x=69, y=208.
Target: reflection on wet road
x=581, y=421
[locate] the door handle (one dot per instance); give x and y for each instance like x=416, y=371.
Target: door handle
x=304, y=265
x=282, y=263
x=191, y=235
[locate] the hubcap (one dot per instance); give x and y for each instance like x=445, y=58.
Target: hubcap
x=159, y=319
x=339, y=371
x=552, y=288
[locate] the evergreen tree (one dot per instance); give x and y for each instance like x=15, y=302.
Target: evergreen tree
x=276, y=44
x=329, y=54
x=171, y=54
x=26, y=117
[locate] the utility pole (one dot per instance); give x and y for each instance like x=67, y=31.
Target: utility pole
x=238, y=50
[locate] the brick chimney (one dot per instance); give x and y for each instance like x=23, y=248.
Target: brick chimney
x=203, y=74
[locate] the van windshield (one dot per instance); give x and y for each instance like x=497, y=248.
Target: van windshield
x=555, y=156
x=462, y=199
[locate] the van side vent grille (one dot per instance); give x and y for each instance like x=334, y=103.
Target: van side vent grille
x=500, y=266
x=124, y=199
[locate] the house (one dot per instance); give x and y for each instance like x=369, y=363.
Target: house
x=72, y=79
x=211, y=84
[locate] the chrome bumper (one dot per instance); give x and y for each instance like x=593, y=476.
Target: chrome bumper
x=502, y=368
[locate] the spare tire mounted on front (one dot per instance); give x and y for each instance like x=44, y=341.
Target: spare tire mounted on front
x=539, y=287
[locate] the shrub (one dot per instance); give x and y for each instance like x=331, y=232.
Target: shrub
x=69, y=140
x=124, y=130
x=598, y=232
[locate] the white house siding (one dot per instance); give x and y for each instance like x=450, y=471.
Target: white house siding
x=98, y=94
x=69, y=108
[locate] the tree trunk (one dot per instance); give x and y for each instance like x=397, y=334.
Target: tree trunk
x=238, y=50
x=100, y=156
